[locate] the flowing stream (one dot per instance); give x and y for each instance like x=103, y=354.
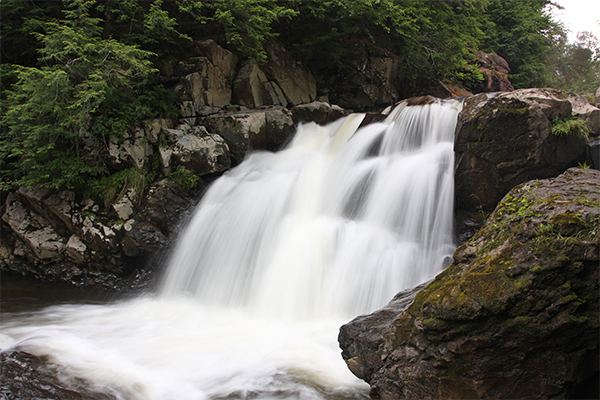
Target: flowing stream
x=280, y=252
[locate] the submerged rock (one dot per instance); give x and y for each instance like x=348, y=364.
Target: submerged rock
x=26, y=376
x=516, y=315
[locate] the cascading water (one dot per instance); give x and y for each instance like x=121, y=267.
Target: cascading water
x=281, y=251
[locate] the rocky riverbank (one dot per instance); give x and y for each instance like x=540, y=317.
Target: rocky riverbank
x=514, y=316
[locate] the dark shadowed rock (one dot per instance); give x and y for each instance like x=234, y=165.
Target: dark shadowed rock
x=504, y=139
x=515, y=316
x=317, y=111
x=26, y=376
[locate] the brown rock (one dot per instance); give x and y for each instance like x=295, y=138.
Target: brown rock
x=495, y=71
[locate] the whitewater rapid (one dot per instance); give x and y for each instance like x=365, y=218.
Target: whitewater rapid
x=280, y=252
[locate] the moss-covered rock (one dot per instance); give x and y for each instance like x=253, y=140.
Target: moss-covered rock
x=514, y=316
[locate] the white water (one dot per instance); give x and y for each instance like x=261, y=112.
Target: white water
x=281, y=251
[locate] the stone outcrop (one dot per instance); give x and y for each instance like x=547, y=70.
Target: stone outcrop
x=53, y=235
x=317, y=111
x=504, y=139
x=252, y=89
x=514, y=316
x=196, y=149
x=495, y=71
x=295, y=80
x=247, y=130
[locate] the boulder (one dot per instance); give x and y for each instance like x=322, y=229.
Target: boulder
x=205, y=79
x=219, y=75
x=516, y=315
x=33, y=229
x=317, y=111
x=165, y=205
x=252, y=89
x=495, y=71
x=200, y=152
x=142, y=238
x=296, y=81
x=503, y=139
x=244, y=131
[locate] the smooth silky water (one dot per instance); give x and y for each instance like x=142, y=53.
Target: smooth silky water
x=281, y=251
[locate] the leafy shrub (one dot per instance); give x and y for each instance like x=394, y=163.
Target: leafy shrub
x=109, y=189
x=184, y=177
x=570, y=126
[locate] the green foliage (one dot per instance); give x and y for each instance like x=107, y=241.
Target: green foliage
x=570, y=126
x=575, y=66
x=109, y=189
x=247, y=24
x=518, y=31
x=59, y=116
x=184, y=177
x=434, y=39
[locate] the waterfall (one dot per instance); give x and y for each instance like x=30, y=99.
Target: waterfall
x=280, y=252
x=336, y=223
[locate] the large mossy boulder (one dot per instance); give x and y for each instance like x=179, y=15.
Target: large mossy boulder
x=516, y=315
x=505, y=139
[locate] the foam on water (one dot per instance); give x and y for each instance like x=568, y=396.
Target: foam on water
x=281, y=251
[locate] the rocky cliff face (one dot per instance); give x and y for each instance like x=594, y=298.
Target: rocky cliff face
x=514, y=316
x=230, y=108
x=504, y=139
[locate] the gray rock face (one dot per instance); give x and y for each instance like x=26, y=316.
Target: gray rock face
x=252, y=89
x=262, y=129
x=296, y=82
x=514, y=316
x=504, y=139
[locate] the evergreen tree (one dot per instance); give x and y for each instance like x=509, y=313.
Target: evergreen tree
x=49, y=113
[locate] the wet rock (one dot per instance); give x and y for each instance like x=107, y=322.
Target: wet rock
x=244, y=131
x=514, y=316
x=504, y=139
x=165, y=205
x=142, y=238
x=317, y=111
x=26, y=376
